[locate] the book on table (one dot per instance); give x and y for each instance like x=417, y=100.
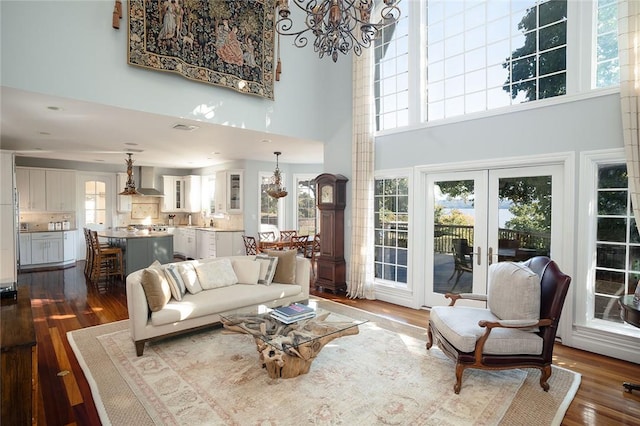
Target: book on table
x=292, y=313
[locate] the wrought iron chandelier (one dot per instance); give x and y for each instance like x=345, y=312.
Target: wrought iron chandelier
x=130, y=186
x=276, y=190
x=338, y=25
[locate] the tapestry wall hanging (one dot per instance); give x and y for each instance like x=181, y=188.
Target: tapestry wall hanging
x=228, y=43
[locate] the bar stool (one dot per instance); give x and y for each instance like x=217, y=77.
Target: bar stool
x=106, y=261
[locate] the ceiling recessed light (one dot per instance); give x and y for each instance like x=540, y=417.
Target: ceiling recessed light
x=97, y=159
x=54, y=108
x=266, y=140
x=45, y=133
x=185, y=127
x=131, y=144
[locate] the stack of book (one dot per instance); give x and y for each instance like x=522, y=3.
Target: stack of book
x=292, y=313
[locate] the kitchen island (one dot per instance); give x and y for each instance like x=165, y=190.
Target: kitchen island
x=142, y=248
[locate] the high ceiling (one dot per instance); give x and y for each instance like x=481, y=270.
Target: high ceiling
x=36, y=125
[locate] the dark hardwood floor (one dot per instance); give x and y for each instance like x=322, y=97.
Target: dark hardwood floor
x=64, y=301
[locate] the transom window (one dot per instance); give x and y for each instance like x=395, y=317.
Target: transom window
x=606, y=57
x=476, y=56
x=490, y=54
x=391, y=227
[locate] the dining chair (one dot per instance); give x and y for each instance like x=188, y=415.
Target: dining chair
x=299, y=243
x=286, y=235
x=267, y=239
x=250, y=245
x=312, y=251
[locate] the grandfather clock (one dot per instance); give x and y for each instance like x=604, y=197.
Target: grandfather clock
x=331, y=191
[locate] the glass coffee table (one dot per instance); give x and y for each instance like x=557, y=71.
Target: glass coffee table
x=287, y=350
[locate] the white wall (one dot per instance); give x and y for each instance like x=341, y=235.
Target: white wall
x=68, y=49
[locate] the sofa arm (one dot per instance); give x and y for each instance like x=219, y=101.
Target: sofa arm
x=137, y=306
x=303, y=274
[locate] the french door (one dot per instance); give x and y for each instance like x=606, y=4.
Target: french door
x=478, y=217
x=95, y=201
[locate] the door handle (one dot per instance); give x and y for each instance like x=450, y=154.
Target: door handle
x=479, y=256
x=490, y=255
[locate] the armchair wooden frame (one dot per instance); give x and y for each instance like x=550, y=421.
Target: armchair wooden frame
x=554, y=286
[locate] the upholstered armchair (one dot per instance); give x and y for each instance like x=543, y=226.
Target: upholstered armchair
x=516, y=330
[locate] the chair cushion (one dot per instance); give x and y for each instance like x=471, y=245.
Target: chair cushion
x=513, y=292
x=459, y=325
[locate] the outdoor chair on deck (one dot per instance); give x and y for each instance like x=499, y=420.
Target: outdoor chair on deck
x=516, y=330
x=462, y=259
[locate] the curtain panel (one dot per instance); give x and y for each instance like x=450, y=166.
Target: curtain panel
x=360, y=272
x=629, y=54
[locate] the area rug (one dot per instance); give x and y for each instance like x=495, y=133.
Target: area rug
x=383, y=375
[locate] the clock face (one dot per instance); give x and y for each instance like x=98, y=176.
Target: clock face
x=326, y=195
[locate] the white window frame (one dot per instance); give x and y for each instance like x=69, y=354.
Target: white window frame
x=595, y=335
x=390, y=290
x=297, y=178
x=580, y=68
x=281, y=207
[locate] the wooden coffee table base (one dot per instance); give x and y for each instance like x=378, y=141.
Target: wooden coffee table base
x=293, y=359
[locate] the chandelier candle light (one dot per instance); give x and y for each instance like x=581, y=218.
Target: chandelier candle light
x=130, y=186
x=338, y=25
x=276, y=190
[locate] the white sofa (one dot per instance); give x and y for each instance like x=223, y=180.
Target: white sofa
x=203, y=308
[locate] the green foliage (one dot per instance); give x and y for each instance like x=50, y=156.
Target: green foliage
x=525, y=64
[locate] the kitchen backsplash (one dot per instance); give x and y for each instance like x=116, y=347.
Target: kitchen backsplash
x=40, y=221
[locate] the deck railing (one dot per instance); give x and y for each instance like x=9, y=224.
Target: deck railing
x=444, y=235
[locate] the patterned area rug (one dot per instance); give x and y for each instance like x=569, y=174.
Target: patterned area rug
x=383, y=375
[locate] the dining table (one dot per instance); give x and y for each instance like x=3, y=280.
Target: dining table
x=280, y=244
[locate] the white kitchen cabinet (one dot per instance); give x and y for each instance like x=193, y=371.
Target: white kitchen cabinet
x=181, y=194
x=123, y=202
x=46, y=189
x=46, y=247
x=31, y=189
x=61, y=190
x=69, y=246
x=184, y=242
x=229, y=191
x=6, y=177
x=25, y=249
x=206, y=242
x=219, y=243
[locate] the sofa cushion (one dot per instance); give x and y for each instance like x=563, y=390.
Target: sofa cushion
x=176, y=283
x=247, y=270
x=156, y=288
x=190, y=277
x=513, y=292
x=216, y=274
x=268, y=266
x=223, y=299
x=286, y=267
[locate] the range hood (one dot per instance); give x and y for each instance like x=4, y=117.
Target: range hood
x=148, y=183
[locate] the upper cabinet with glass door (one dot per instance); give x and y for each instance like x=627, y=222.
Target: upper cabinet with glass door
x=181, y=194
x=229, y=192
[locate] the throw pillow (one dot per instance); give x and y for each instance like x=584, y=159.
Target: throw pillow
x=268, y=266
x=190, y=278
x=513, y=291
x=156, y=288
x=216, y=274
x=176, y=283
x=286, y=267
x=247, y=270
